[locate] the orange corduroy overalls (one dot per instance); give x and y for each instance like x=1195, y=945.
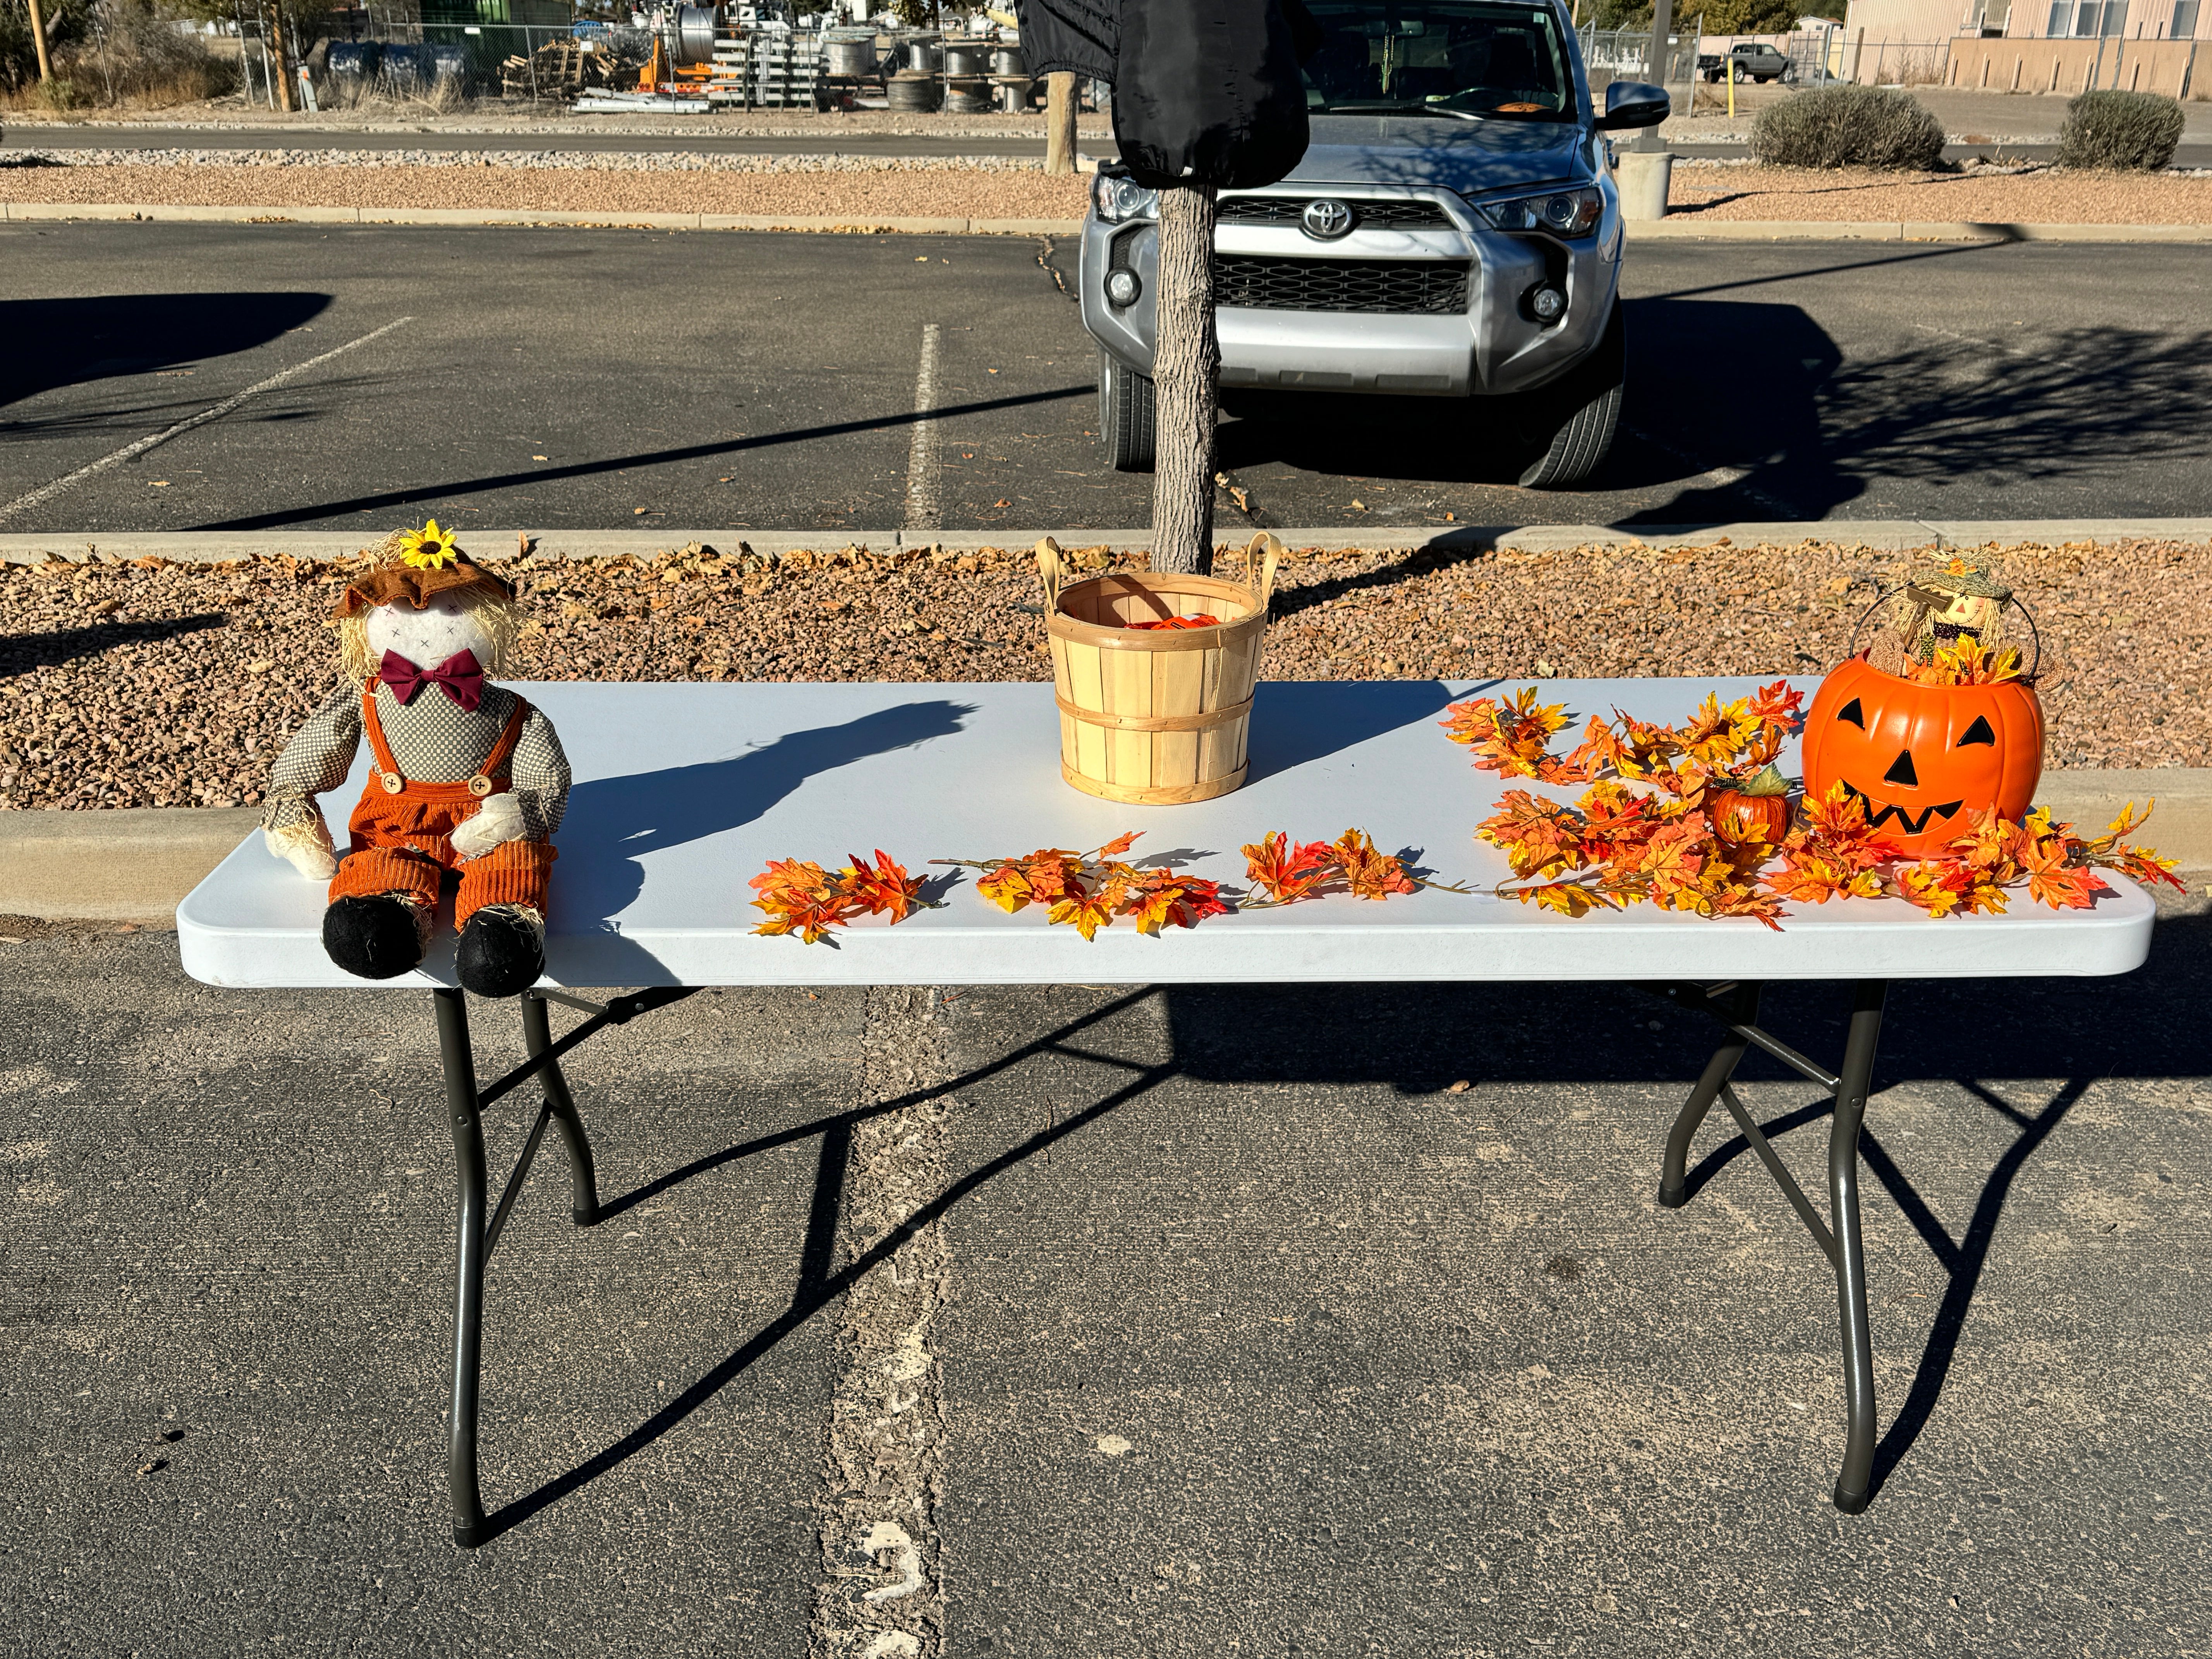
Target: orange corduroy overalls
x=403, y=834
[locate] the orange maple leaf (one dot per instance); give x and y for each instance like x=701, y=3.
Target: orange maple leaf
x=1285, y=873
x=1369, y=874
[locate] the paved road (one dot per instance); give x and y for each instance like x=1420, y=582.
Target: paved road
x=1252, y=1336
x=826, y=140
x=550, y=379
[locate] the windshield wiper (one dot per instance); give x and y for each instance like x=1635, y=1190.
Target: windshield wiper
x=1407, y=108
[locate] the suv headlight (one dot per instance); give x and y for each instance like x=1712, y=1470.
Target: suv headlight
x=1122, y=199
x=1562, y=212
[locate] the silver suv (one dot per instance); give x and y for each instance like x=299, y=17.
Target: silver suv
x=1453, y=232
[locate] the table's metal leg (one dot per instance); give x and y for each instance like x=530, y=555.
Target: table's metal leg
x=468, y=1301
x=1858, y=1076
x=583, y=1180
x=1673, y=1171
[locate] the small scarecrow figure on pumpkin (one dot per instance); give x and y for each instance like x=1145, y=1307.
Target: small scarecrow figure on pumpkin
x=1938, y=607
x=469, y=778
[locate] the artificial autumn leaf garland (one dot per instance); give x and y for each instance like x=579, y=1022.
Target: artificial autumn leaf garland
x=1670, y=829
x=806, y=899
x=1091, y=891
x=1088, y=890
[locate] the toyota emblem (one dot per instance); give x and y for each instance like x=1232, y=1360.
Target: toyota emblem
x=1326, y=220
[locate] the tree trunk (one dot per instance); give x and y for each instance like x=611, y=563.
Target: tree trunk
x=39, y=34
x=1185, y=360
x=280, y=70
x=1060, y=102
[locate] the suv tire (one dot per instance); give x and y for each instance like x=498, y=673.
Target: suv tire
x=1127, y=416
x=1580, y=412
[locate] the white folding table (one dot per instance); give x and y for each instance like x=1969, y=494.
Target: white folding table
x=684, y=791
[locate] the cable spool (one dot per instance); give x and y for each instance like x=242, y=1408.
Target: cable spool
x=692, y=37
x=911, y=91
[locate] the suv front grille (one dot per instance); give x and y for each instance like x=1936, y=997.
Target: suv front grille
x=1431, y=288
x=1365, y=214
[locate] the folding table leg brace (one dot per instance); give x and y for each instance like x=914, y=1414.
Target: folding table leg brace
x=1736, y=1007
x=465, y=1106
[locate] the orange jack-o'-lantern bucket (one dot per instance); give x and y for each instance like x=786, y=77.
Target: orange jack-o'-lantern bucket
x=1925, y=758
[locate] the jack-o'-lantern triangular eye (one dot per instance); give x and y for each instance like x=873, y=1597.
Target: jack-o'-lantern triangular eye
x=1978, y=732
x=1851, y=712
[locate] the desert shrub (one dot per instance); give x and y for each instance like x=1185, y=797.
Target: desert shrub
x=110, y=53
x=68, y=21
x=2119, y=129
x=1847, y=127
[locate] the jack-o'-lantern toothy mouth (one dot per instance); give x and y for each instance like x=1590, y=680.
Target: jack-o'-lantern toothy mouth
x=1878, y=816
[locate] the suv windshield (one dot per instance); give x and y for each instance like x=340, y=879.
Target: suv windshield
x=1465, y=59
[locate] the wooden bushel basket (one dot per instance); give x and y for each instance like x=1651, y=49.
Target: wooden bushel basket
x=1155, y=717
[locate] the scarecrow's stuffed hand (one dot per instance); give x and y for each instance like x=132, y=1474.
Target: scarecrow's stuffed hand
x=307, y=845
x=499, y=820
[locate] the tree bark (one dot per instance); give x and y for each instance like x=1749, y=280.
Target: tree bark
x=1185, y=360
x=281, y=69
x=1060, y=102
x=39, y=34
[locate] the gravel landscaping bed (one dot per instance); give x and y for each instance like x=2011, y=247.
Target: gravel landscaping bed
x=933, y=187
x=160, y=685
x=2017, y=195
x=983, y=187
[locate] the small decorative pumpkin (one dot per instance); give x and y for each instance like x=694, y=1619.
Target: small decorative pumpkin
x=1924, y=758
x=1755, y=809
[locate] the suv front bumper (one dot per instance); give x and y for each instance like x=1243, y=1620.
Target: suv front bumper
x=1490, y=345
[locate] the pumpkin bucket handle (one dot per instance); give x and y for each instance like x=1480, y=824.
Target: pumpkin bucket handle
x=2034, y=634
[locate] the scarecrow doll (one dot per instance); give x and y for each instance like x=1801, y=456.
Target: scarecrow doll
x=1938, y=607
x=469, y=779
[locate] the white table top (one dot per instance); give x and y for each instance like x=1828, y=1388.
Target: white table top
x=684, y=791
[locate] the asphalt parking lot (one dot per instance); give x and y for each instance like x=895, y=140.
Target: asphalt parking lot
x=721, y=381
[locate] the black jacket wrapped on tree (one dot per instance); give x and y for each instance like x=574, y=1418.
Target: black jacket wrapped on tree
x=1206, y=92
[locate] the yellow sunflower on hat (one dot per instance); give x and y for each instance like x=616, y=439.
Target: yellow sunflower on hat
x=429, y=548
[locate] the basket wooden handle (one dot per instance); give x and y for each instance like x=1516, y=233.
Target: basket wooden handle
x=1260, y=559
x=1051, y=572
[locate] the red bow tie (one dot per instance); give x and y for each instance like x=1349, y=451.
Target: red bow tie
x=459, y=676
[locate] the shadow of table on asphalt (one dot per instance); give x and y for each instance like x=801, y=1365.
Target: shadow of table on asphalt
x=1532, y=1034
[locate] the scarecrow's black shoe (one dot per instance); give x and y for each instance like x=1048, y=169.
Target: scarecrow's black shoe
x=501, y=953
x=371, y=938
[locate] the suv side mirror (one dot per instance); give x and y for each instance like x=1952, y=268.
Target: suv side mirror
x=1632, y=104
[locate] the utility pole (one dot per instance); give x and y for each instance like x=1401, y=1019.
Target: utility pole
x=1060, y=102
x=1186, y=365
x=1661, y=60
x=39, y=34
x=282, y=70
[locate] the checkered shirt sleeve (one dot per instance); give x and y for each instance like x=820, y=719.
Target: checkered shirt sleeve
x=317, y=759
x=540, y=776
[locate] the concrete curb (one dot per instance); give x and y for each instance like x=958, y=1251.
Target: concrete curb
x=1684, y=228
x=1878, y=535
x=137, y=864
x=1691, y=227
x=524, y=217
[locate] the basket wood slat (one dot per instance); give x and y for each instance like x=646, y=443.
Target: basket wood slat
x=1155, y=717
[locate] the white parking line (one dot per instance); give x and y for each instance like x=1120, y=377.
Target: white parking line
x=131, y=452
x=923, y=509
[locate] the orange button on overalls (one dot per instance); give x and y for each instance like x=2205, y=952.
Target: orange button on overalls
x=403, y=834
